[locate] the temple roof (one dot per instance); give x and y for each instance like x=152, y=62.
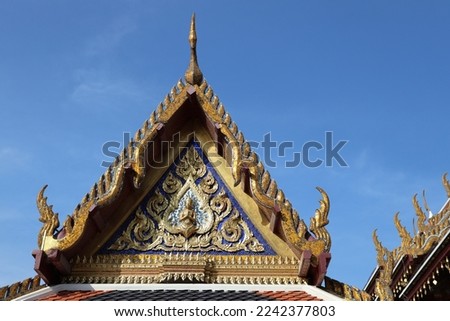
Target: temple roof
x=186, y=201
x=419, y=267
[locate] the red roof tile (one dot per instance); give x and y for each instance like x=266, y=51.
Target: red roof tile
x=289, y=295
x=72, y=295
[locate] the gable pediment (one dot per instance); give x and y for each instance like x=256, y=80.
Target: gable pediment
x=190, y=209
x=208, y=195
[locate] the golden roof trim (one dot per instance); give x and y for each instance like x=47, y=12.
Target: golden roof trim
x=15, y=290
x=343, y=290
x=202, y=268
x=429, y=232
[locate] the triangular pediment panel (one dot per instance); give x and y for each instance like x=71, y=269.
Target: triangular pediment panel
x=189, y=210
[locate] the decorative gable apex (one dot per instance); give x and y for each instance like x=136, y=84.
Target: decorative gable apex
x=205, y=203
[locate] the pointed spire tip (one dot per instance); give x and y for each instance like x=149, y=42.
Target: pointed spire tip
x=193, y=74
x=193, y=32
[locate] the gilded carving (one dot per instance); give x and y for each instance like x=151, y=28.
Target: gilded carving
x=209, y=184
x=320, y=220
x=205, y=268
x=157, y=204
x=296, y=233
x=421, y=217
x=385, y=261
x=188, y=217
x=404, y=234
x=191, y=165
x=188, y=220
x=171, y=184
x=429, y=232
x=221, y=204
x=446, y=184
x=49, y=219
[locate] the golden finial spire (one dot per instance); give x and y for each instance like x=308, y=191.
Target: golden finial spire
x=193, y=74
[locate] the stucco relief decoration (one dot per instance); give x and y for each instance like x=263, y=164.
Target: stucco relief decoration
x=189, y=210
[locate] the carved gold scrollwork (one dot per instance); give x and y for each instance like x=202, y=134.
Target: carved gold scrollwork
x=404, y=234
x=171, y=184
x=221, y=204
x=231, y=230
x=157, y=203
x=209, y=184
x=191, y=165
x=421, y=217
x=294, y=233
x=320, y=220
x=141, y=234
x=385, y=260
x=49, y=219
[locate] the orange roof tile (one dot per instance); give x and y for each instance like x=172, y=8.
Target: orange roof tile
x=289, y=295
x=72, y=295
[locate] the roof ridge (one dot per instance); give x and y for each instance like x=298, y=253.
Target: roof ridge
x=10, y=292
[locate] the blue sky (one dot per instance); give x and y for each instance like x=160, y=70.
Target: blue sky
x=74, y=75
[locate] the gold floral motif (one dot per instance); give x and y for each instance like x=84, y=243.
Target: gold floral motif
x=140, y=234
x=221, y=204
x=231, y=231
x=189, y=217
x=209, y=184
x=171, y=184
x=191, y=165
x=157, y=203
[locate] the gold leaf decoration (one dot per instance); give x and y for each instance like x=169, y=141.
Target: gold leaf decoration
x=209, y=184
x=320, y=220
x=49, y=219
x=157, y=203
x=191, y=165
x=385, y=261
x=171, y=184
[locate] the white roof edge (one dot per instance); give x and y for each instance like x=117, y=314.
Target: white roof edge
x=41, y=293
x=312, y=290
x=445, y=204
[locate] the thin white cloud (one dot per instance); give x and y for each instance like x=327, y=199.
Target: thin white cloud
x=111, y=37
x=95, y=90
